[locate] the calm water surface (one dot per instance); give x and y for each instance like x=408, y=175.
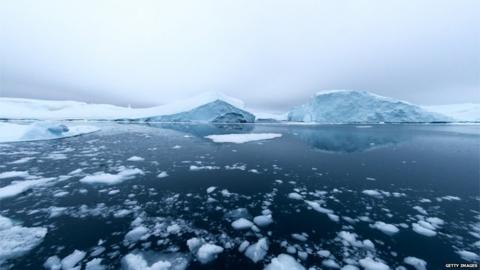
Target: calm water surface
x=416, y=172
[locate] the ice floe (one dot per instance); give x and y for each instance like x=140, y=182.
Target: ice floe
x=73, y=259
x=256, y=252
x=208, y=252
x=284, y=262
x=242, y=138
x=18, y=187
x=386, y=228
x=16, y=240
x=112, y=179
x=416, y=263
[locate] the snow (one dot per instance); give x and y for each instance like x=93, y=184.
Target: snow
x=41, y=131
x=371, y=264
x=15, y=240
x=242, y=224
x=73, y=259
x=417, y=263
x=112, y=179
x=468, y=255
x=284, y=262
x=386, y=228
x=256, y=252
x=352, y=106
x=208, y=252
x=18, y=187
x=468, y=112
x=242, y=138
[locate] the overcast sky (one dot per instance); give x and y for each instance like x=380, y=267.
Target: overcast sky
x=273, y=54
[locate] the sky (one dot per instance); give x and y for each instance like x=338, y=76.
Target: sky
x=273, y=54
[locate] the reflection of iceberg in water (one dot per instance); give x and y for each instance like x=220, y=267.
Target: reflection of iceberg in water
x=349, y=139
x=202, y=130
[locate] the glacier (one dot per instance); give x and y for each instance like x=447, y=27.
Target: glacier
x=356, y=106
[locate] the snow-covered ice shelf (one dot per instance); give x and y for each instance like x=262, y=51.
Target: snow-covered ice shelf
x=10, y=132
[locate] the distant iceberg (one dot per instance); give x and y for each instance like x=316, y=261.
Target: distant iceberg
x=351, y=106
x=44, y=130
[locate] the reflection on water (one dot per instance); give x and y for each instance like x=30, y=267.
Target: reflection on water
x=202, y=130
x=349, y=139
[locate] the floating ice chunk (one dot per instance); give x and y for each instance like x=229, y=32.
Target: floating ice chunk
x=162, y=174
x=53, y=263
x=323, y=253
x=208, y=252
x=386, y=228
x=242, y=138
x=94, y=264
x=167, y=261
x=435, y=221
x=370, y=178
x=243, y=246
x=449, y=198
x=417, y=263
x=316, y=206
x=211, y=189
x=295, y=196
x=422, y=230
x=112, y=179
x=22, y=160
x=329, y=263
x=468, y=255
x=73, y=259
x=40, y=131
x=16, y=240
x=174, y=229
x=349, y=267
x=12, y=174
x=300, y=237
x=237, y=213
x=18, y=187
x=256, y=252
x=135, y=158
x=420, y=210
x=284, y=262
x=198, y=168
x=263, y=220
x=370, y=264
x=194, y=244
x=136, y=234
x=373, y=193
x=242, y=224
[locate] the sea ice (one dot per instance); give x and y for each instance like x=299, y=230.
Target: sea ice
x=284, y=262
x=386, y=228
x=416, y=263
x=256, y=252
x=370, y=264
x=73, y=259
x=242, y=138
x=111, y=179
x=242, y=224
x=208, y=252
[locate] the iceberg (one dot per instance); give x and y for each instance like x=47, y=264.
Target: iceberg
x=352, y=106
x=207, y=107
x=466, y=112
x=42, y=130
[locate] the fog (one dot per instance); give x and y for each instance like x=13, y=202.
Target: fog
x=272, y=54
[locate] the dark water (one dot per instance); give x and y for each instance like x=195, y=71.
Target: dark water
x=331, y=165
